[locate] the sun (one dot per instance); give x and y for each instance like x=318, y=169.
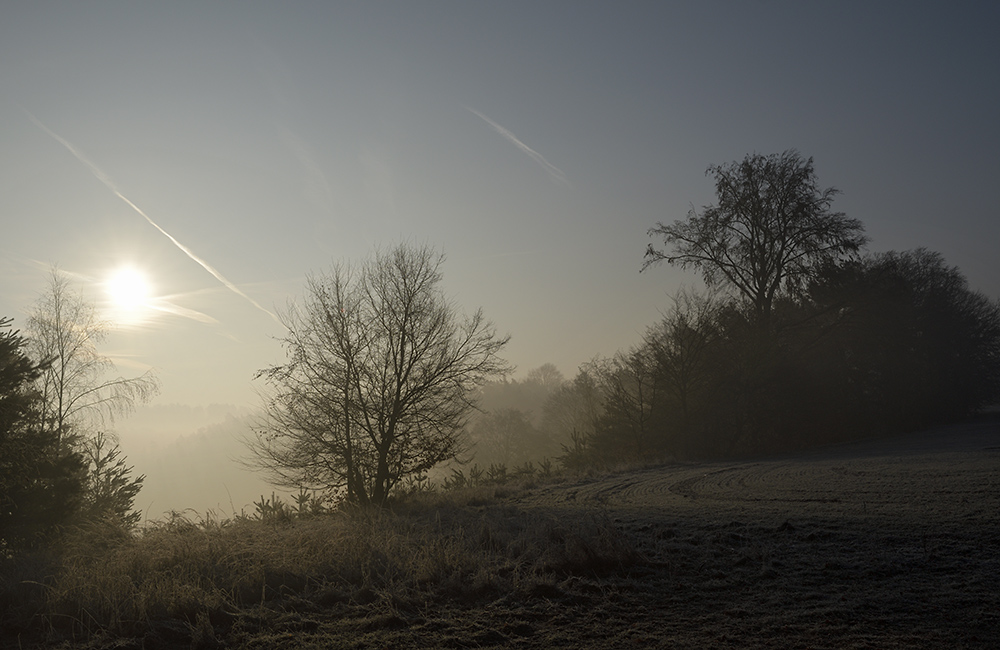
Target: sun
x=129, y=290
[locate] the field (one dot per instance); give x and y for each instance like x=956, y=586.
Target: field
x=878, y=545
x=884, y=544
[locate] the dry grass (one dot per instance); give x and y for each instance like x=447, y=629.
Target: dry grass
x=186, y=577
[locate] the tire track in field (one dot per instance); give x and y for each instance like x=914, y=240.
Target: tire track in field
x=762, y=482
x=754, y=482
x=936, y=474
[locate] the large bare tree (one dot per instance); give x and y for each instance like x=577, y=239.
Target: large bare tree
x=771, y=229
x=380, y=378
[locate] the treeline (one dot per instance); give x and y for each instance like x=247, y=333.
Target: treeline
x=800, y=339
x=875, y=345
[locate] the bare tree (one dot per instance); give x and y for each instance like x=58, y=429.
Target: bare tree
x=681, y=346
x=78, y=386
x=771, y=229
x=547, y=377
x=379, y=381
x=572, y=412
x=629, y=384
x=504, y=436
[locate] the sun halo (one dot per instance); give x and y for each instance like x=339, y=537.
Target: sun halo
x=129, y=292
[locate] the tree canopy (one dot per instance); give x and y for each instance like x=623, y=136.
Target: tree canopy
x=771, y=228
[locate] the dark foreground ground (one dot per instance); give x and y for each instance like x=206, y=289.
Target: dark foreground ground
x=888, y=544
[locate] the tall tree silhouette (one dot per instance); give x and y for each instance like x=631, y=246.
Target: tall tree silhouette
x=770, y=229
x=41, y=480
x=80, y=395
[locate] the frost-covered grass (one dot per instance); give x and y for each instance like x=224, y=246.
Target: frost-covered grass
x=461, y=546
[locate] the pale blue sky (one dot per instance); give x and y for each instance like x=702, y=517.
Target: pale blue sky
x=275, y=138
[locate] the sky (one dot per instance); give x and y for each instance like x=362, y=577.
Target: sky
x=225, y=150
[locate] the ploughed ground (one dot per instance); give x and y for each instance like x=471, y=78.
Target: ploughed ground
x=892, y=543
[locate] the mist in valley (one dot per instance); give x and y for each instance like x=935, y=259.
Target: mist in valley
x=190, y=456
x=194, y=458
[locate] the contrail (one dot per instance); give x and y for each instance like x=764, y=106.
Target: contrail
x=553, y=171
x=164, y=305
x=104, y=178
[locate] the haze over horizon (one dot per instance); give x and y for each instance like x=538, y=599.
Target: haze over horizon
x=226, y=151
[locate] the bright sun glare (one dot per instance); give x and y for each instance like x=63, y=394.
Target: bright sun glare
x=129, y=290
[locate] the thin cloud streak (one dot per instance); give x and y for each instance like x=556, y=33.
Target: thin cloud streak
x=167, y=307
x=553, y=171
x=106, y=180
x=147, y=315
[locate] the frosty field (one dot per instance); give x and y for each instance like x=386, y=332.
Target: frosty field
x=883, y=544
